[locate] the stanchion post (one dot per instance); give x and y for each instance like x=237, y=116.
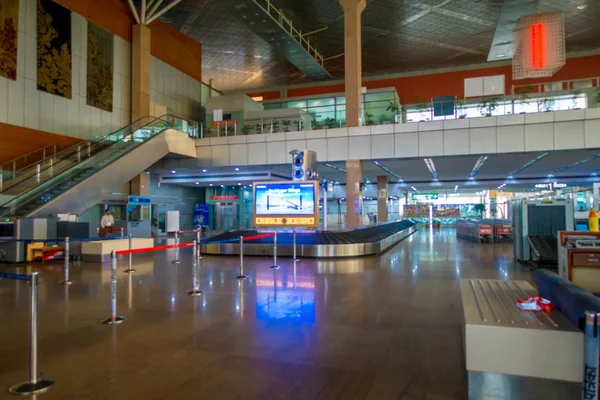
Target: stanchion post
x=67, y=281
x=114, y=318
x=176, y=260
x=590, y=358
x=34, y=385
x=241, y=275
x=275, y=266
x=130, y=268
x=194, y=291
x=295, y=258
x=122, y=232
x=198, y=237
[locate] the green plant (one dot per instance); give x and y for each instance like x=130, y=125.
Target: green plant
x=597, y=96
x=395, y=109
x=329, y=123
x=286, y=124
x=522, y=93
x=480, y=208
x=258, y=127
x=546, y=104
x=488, y=105
x=275, y=126
x=246, y=130
x=369, y=118
x=461, y=109
x=575, y=95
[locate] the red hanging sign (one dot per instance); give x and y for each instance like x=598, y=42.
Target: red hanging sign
x=538, y=48
x=222, y=198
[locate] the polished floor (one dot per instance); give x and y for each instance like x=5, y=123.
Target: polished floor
x=375, y=328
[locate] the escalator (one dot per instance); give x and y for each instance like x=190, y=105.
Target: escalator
x=66, y=186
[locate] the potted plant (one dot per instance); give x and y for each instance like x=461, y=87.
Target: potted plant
x=461, y=109
x=368, y=119
x=266, y=127
x=258, y=127
x=575, y=95
x=275, y=126
x=488, y=106
x=546, y=104
x=395, y=109
x=522, y=93
x=286, y=125
x=246, y=130
x=315, y=125
x=329, y=123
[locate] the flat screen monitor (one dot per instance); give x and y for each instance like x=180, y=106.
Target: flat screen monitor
x=286, y=203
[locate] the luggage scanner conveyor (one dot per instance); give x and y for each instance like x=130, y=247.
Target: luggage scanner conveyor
x=369, y=240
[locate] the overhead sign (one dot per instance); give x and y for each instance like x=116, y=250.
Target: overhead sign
x=139, y=200
x=224, y=198
x=551, y=185
x=425, y=196
x=286, y=203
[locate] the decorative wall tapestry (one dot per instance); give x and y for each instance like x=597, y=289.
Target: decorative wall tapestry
x=100, y=60
x=54, y=73
x=9, y=28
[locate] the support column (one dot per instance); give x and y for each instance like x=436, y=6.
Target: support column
x=140, y=72
x=595, y=194
x=382, y=196
x=140, y=94
x=353, y=58
x=354, y=198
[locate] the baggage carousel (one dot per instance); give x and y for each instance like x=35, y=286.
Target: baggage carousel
x=362, y=241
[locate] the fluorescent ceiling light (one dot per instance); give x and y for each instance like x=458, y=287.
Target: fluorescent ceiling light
x=431, y=167
x=529, y=163
x=480, y=161
x=389, y=171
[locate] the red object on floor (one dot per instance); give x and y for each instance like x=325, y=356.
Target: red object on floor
x=535, y=303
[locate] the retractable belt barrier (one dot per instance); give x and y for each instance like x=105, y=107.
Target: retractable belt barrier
x=96, y=239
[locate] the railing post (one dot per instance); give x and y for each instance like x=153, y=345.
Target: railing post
x=176, y=260
x=275, y=266
x=34, y=385
x=590, y=358
x=294, y=258
x=14, y=169
x=194, y=291
x=198, y=253
x=67, y=281
x=241, y=275
x=114, y=318
x=130, y=268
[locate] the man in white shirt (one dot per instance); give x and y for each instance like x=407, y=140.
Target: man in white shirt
x=107, y=220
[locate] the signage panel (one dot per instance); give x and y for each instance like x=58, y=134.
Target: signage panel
x=224, y=198
x=425, y=196
x=138, y=200
x=286, y=203
x=201, y=215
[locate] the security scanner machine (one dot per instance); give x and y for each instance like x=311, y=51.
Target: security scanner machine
x=14, y=233
x=535, y=227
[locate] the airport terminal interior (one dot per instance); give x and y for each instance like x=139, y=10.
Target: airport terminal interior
x=277, y=199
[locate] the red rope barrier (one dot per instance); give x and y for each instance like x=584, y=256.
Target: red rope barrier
x=258, y=236
x=156, y=248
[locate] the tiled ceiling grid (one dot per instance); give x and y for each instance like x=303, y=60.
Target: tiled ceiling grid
x=398, y=36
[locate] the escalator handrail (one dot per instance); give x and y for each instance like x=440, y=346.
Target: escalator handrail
x=71, y=151
x=57, y=177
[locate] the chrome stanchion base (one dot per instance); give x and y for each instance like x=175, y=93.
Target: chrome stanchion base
x=69, y=282
x=274, y=266
x=110, y=321
x=294, y=259
x=27, y=388
x=130, y=270
x=194, y=293
x=176, y=262
x=241, y=277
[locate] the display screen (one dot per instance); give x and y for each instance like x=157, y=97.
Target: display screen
x=286, y=203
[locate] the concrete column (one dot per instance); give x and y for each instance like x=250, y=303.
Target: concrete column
x=354, y=198
x=353, y=58
x=382, y=195
x=140, y=72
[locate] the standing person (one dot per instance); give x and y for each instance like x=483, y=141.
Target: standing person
x=107, y=220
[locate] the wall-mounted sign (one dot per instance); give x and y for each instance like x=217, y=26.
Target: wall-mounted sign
x=551, y=185
x=425, y=196
x=138, y=200
x=286, y=203
x=223, y=123
x=224, y=198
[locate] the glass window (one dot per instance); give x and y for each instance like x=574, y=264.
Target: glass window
x=379, y=96
x=340, y=100
x=297, y=104
x=272, y=106
x=321, y=102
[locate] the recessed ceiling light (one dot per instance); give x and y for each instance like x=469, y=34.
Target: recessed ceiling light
x=582, y=6
x=210, y=184
x=173, y=171
x=239, y=184
x=203, y=170
x=237, y=169
x=197, y=183
x=222, y=185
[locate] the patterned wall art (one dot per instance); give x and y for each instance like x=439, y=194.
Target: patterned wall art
x=100, y=61
x=54, y=74
x=9, y=28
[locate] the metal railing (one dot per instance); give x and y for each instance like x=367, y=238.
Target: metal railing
x=11, y=168
x=285, y=24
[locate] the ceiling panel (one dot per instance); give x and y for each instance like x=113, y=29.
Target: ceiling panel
x=500, y=165
x=398, y=36
x=554, y=161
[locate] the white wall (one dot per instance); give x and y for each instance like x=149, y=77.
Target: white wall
x=22, y=104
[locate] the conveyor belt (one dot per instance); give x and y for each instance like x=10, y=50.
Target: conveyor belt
x=544, y=249
x=357, y=242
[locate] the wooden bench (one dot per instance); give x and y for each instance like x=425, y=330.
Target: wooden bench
x=513, y=354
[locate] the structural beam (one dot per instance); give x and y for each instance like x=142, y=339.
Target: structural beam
x=140, y=72
x=353, y=59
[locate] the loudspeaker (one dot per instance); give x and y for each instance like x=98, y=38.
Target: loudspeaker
x=304, y=165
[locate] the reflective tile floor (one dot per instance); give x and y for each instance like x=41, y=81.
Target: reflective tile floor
x=375, y=328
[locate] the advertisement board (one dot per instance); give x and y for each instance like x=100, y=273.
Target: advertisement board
x=201, y=215
x=286, y=203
